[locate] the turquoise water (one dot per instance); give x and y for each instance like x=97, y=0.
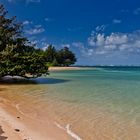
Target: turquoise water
x=98, y=103
x=110, y=94
x=116, y=90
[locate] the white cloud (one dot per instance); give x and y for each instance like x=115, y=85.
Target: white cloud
x=115, y=44
x=97, y=37
x=36, y=30
x=100, y=40
x=86, y=52
x=47, y=19
x=117, y=21
x=26, y=22
x=45, y=47
x=116, y=38
x=38, y=26
x=119, y=42
x=91, y=41
x=34, y=42
x=100, y=28
x=79, y=45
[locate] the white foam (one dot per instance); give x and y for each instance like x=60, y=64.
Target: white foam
x=67, y=129
x=69, y=132
x=72, y=134
x=59, y=126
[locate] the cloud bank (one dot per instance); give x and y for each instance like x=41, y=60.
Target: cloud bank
x=115, y=42
x=109, y=48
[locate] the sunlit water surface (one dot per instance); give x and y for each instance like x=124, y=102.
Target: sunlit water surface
x=98, y=103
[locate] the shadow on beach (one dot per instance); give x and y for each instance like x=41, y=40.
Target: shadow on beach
x=50, y=81
x=2, y=132
x=13, y=81
x=41, y=80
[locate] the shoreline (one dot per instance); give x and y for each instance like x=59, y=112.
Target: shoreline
x=65, y=68
x=17, y=126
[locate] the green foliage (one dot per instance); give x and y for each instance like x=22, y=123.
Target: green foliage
x=66, y=57
x=16, y=57
x=50, y=54
x=10, y=30
x=63, y=57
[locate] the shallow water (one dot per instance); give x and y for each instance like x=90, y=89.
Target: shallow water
x=99, y=104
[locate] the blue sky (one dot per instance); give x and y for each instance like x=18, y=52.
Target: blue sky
x=100, y=32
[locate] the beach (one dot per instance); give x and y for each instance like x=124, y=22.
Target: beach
x=16, y=125
x=83, y=104
x=64, y=68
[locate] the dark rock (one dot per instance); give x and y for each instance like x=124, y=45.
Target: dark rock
x=17, y=130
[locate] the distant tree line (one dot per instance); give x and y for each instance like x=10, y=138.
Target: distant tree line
x=63, y=57
x=19, y=57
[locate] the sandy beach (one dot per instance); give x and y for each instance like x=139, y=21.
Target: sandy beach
x=88, y=106
x=14, y=125
x=64, y=68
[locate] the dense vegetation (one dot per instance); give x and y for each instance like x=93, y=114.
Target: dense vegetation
x=63, y=57
x=19, y=57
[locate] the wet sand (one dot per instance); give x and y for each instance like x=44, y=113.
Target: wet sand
x=26, y=117
x=15, y=125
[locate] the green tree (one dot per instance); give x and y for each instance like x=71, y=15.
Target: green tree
x=50, y=55
x=10, y=30
x=17, y=57
x=65, y=57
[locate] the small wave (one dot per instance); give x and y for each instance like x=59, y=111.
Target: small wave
x=59, y=126
x=72, y=134
x=69, y=132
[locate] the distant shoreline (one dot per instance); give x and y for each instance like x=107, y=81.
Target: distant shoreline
x=65, y=68
x=59, y=68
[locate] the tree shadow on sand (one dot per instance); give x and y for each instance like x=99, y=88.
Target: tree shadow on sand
x=50, y=81
x=16, y=81
x=41, y=80
x=2, y=132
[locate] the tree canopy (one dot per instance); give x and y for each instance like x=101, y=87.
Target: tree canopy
x=16, y=56
x=19, y=57
x=63, y=57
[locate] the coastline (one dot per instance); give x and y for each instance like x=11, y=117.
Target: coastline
x=17, y=126
x=40, y=112
x=65, y=68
